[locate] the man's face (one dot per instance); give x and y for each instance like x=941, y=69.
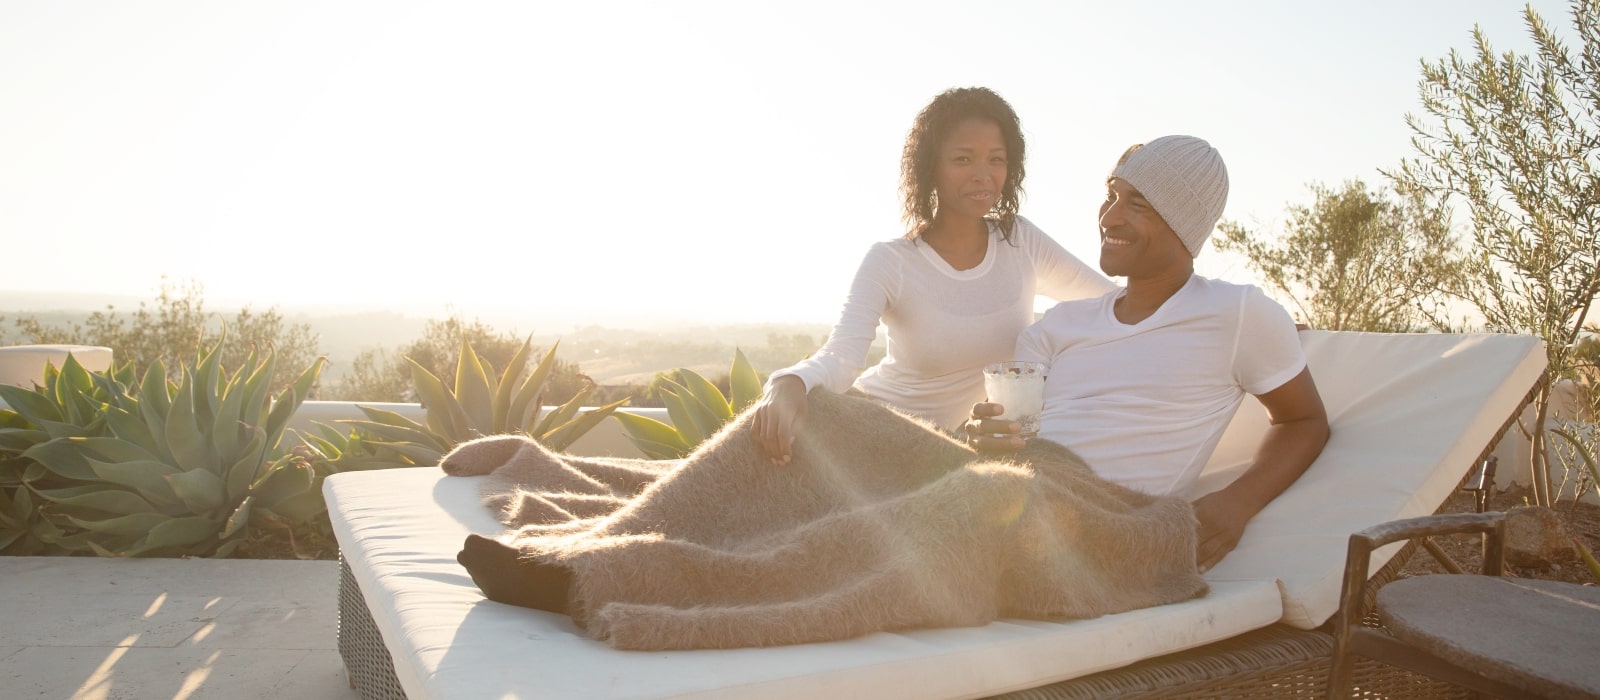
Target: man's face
x=1134, y=240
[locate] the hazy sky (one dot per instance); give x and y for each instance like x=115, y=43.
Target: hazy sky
x=716, y=161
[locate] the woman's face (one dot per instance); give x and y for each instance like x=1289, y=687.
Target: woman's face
x=971, y=170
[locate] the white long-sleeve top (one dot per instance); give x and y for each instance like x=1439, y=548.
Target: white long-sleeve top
x=943, y=324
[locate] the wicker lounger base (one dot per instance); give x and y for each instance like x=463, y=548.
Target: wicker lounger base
x=367, y=664
x=1275, y=662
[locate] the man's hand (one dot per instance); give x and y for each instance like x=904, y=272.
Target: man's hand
x=1299, y=430
x=779, y=415
x=990, y=436
x=1221, y=525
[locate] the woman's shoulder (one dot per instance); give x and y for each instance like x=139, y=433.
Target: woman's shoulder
x=1024, y=229
x=893, y=248
x=889, y=256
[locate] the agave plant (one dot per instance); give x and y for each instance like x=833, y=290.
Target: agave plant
x=17, y=512
x=66, y=405
x=697, y=408
x=479, y=404
x=164, y=466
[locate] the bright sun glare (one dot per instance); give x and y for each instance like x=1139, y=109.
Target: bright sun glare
x=706, y=160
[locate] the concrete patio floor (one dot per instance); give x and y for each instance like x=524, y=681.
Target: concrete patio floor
x=75, y=627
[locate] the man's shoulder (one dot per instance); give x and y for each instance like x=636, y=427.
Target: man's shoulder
x=1255, y=309
x=1078, y=308
x=1223, y=289
x=1220, y=285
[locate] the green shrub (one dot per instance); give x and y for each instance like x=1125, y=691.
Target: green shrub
x=697, y=408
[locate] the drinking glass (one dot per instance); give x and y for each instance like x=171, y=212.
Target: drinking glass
x=1018, y=387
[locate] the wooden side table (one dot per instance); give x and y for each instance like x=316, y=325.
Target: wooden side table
x=1514, y=638
x=1540, y=637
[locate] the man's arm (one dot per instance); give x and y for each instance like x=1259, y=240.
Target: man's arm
x=1299, y=430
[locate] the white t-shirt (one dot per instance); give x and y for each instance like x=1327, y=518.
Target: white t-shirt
x=943, y=324
x=1145, y=404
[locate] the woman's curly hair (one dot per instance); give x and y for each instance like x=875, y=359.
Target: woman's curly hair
x=920, y=158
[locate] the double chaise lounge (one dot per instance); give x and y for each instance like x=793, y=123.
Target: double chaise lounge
x=1411, y=415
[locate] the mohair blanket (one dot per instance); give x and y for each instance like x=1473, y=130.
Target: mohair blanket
x=880, y=522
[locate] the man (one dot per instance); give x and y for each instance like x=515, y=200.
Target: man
x=1144, y=380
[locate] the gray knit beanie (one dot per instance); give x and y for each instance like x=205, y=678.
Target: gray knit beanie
x=1184, y=179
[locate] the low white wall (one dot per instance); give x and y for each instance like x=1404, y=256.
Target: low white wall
x=23, y=365
x=604, y=440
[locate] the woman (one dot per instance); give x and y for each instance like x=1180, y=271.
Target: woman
x=954, y=292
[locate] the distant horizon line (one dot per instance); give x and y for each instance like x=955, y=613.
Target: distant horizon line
x=38, y=301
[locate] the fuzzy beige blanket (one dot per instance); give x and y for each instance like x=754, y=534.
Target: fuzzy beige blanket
x=880, y=522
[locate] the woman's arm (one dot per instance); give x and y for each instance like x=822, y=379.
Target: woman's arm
x=834, y=367
x=840, y=360
x=1060, y=275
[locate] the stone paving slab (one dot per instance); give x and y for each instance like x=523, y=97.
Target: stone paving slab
x=121, y=620
x=272, y=624
x=243, y=578
x=105, y=629
x=130, y=672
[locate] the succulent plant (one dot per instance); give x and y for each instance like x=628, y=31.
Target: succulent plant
x=479, y=404
x=66, y=404
x=164, y=466
x=697, y=408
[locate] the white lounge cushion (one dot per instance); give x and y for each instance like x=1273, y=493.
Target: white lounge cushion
x=1410, y=413
x=400, y=530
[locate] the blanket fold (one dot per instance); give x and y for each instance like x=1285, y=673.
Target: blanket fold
x=879, y=522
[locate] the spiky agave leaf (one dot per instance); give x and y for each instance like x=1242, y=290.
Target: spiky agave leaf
x=655, y=439
x=561, y=436
x=743, y=382
x=445, y=415
x=696, y=407
x=474, y=392
x=510, y=381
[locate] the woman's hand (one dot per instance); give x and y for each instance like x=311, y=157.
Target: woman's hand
x=990, y=436
x=779, y=415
